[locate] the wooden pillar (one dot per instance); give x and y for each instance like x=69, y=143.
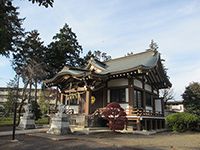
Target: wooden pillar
x=153, y=99
x=87, y=101
x=138, y=125
x=151, y=124
x=105, y=89
x=144, y=93
x=162, y=107
x=164, y=124
x=145, y=124
x=156, y=124
x=62, y=99
x=161, y=124
x=159, y=127
x=130, y=95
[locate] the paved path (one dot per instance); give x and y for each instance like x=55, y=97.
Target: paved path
x=28, y=131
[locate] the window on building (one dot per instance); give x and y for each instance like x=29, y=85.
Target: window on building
x=118, y=95
x=148, y=99
x=137, y=98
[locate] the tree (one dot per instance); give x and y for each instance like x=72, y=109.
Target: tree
x=191, y=98
x=11, y=31
x=45, y=3
x=28, y=62
x=30, y=56
x=98, y=55
x=87, y=57
x=36, y=110
x=31, y=52
x=167, y=94
x=44, y=101
x=101, y=56
x=64, y=50
x=116, y=116
x=12, y=93
x=153, y=46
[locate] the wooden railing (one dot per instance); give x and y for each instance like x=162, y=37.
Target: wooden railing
x=142, y=112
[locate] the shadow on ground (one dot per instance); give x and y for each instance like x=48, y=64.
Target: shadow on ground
x=94, y=142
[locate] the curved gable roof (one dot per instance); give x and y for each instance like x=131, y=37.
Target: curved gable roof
x=144, y=60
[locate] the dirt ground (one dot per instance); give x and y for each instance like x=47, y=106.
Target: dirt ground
x=106, y=141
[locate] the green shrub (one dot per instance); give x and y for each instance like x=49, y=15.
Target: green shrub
x=36, y=110
x=44, y=120
x=182, y=121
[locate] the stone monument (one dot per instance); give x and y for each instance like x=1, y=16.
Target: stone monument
x=60, y=122
x=27, y=120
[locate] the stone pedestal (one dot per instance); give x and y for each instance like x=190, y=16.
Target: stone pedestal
x=27, y=121
x=59, y=123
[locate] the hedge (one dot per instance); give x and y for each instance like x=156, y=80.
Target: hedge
x=181, y=122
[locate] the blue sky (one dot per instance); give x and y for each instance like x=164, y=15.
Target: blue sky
x=121, y=26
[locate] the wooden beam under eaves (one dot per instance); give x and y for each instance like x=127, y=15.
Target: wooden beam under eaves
x=156, y=75
x=149, y=79
x=152, y=76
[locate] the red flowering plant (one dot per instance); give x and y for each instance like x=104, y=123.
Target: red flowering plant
x=115, y=115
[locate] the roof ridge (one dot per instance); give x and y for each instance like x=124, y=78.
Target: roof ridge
x=147, y=51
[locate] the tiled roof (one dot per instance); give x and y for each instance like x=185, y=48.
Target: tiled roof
x=144, y=60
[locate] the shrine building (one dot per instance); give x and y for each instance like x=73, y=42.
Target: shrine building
x=133, y=81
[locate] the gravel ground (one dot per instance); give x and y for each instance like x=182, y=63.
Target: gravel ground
x=106, y=141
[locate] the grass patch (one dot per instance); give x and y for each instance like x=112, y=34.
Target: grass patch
x=9, y=121
x=6, y=121
x=42, y=121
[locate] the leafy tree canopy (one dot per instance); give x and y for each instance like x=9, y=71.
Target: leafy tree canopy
x=64, y=50
x=167, y=94
x=45, y=3
x=11, y=31
x=153, y=46
x=98, y=55
x=191, y=98
x=101, y=56
x=28, y=60
x=12, y=95
x=36, y=110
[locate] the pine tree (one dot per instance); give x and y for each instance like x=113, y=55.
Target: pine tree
x=98, y=55
x=64, y=50
x=45, y=3
x=28, y=61
x=153, y=46
x=11, y=31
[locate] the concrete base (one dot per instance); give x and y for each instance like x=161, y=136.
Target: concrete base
x=27, y=121
x=59, y=125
